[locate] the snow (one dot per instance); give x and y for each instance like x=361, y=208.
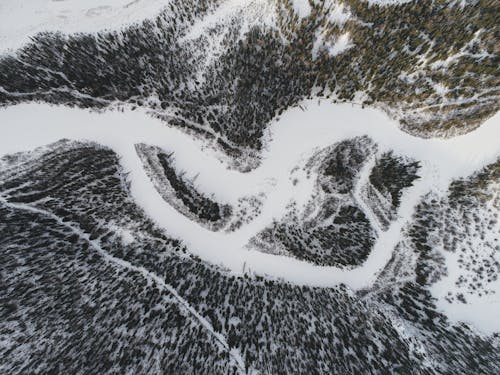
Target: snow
x=484, y=301
x=295, y=137
x=440, y=89
x=253, y=11
x=19, y=20
x=127, y=237
x=339, y=14
x=359, y=194
x=341, y=45
x=207, y=29
x=481, y=312
x=387, y=2
x=302, y=8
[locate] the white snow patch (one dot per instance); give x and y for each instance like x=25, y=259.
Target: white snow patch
x=440, y=89
x=126, y=236
x=387, y=2
x=339, y=14
x=296, y=135
x=21, y=19
x=250, y=11
x=483, y=301
x=334, y=48
x=341, y=45
x=302, y=8
x=480, y=311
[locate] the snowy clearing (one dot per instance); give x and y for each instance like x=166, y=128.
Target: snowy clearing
x=342, y=44
x=295, y=137
x=19, y=20
x=253, y=11
x=302, y=8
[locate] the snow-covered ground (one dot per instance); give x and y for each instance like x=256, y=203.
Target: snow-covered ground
x=341, y=44
x=302, y=8
x=387, y=2
x=253, y=11
x=292, y=139
x=481, y=311
x=20, y=19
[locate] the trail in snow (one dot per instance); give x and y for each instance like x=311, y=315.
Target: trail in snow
x=358, y=194
x=295, y=137
x=151, y=277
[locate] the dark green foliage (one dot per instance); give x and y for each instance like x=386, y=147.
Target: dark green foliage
x=342, y=166
x=392, y=174
x=196, y=202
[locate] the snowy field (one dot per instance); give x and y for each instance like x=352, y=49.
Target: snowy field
x=21, y=19
x=291, y=140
